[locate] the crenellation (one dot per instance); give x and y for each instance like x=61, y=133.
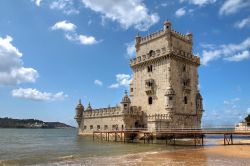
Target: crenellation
x=152, y=36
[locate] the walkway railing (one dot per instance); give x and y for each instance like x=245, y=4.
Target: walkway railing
x=169, y=134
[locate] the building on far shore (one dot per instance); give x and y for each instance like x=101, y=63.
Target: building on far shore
x=163, y=93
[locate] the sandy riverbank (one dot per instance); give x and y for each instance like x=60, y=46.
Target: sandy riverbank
x=211, y=155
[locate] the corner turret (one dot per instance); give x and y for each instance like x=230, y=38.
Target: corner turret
x=125, y=103
x=167, y=25
x=89, y=108
x=79, y=112
x=137, y=42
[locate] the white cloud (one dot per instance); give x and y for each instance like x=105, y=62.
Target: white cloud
x=243, y=23
x=89, y=22
x=114, y=86
x=67, y=6
x=180, y=12
x=131, y=49
x=229, y=52
x=232, y=101
x=82, y=39
x=239, y=57
x=71, y=34
x=34, y=94
x=122, y=80
x=37, y=2
x=233, y=6
x=164, y=4
x=199, y=2
x=11, y=65
x=129, y=13
x=248, y=111
x=98, y=82
x=64, y=25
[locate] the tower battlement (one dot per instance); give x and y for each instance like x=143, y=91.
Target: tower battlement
x=166, y=42
x=163, y=32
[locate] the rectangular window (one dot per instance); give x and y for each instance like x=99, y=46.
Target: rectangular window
x=185, y=100
x=85, y=127
x=150, y=100
x=91, y=127
x=150, y=68
x=105, y=127
x=114, y=127
x=98, y=127
x=131, y=89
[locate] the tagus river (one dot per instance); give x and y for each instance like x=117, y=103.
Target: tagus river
x=44, y=146
x=65, y=147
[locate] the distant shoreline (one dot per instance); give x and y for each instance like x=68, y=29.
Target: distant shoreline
x=31, y=124
x=37, y=128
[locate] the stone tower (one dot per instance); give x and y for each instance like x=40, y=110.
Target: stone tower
x=165, y=80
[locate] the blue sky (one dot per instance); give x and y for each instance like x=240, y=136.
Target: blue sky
x=54, y=52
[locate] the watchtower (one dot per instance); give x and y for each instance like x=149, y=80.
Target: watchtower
x=165, y=79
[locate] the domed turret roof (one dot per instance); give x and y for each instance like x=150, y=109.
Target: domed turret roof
x=198, y=95
x=170, y=91
x=89, y=108
x=125, y=98
x=79, y=105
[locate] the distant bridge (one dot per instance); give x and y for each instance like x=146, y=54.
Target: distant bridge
x=169, y=135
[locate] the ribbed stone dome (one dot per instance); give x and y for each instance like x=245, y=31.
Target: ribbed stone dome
x=79, y=106
x=170, y=92
x=89, y=108
x=198, y=96
x=125, y=98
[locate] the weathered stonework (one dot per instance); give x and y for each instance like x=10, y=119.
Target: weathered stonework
x=164, y=90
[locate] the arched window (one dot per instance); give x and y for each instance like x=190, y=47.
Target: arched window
x=151, y=52
x=185, y=100
x=184, y=68
x=150, y=100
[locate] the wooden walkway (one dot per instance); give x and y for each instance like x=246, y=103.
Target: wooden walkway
x=169, y=135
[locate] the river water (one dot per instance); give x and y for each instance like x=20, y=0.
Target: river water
x=65, y=147
x=46, y=146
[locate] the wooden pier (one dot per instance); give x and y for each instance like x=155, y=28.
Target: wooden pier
x=169, y=135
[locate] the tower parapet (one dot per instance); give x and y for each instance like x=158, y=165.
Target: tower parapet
x=170, y=44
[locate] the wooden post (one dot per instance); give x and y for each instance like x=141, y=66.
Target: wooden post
x=124, y=136
x=194, y=140
x=224, y=139
x=231, y=139
x=174, y=138
x=202, y=141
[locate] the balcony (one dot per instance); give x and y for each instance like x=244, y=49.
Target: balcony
x=186, y=88
x=149, y=86
x=149, y=90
